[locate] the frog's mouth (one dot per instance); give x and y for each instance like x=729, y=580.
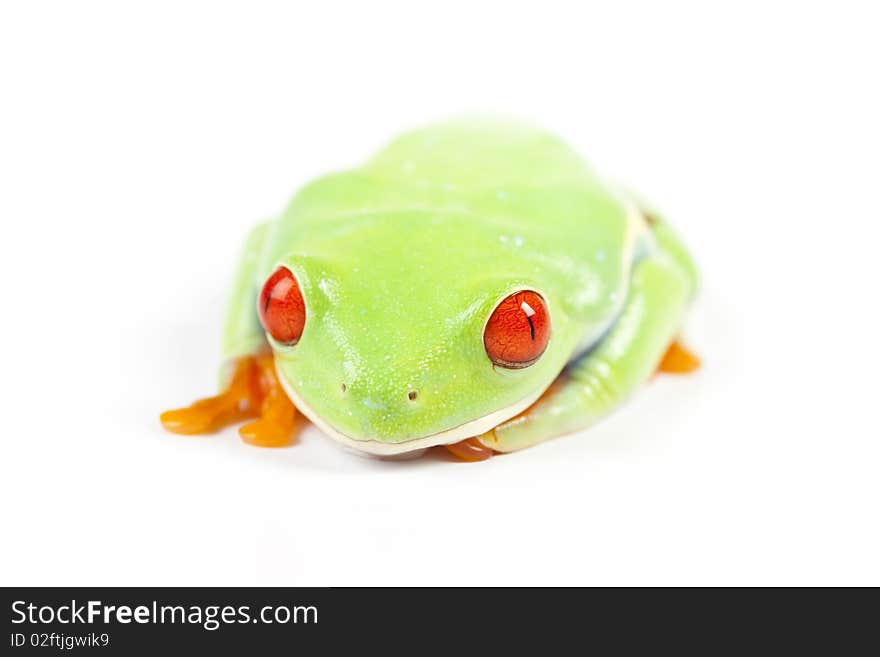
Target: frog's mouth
x=469, y=429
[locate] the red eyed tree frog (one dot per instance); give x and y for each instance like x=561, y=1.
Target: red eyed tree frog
x=475, y=286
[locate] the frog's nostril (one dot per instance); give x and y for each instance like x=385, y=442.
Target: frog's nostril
x=412, y=395
x=343, y=387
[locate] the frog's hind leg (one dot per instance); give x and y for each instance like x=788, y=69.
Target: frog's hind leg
x=250, y=388
x=678, y=359
x=670, y=244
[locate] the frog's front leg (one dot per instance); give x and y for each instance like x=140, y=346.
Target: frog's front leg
x=238, y=401
x=251, y=390
x=627, y=357
x=277, y=416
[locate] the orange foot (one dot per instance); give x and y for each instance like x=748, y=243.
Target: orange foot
x=678, y=360
x=253, y=392
x=470, y=450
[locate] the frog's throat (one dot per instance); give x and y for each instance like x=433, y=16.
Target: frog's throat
x=467, y=430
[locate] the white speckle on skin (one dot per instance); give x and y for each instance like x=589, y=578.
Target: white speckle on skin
x=328, y=288
x=600, y=256
x=350, y=370
x=501, y=195
x=518, y=240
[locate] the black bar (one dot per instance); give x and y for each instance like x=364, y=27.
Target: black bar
x=327, y=621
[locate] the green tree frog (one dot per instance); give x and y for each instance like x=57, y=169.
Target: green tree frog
x=474, y=285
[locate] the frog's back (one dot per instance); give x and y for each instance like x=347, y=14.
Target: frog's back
x=471, y=154
x=505, y=173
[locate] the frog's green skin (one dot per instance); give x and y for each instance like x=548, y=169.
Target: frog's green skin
x=402, y=261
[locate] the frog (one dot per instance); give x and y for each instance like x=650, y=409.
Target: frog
x=475, y=287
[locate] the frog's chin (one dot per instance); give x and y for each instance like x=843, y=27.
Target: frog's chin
x=378, y=448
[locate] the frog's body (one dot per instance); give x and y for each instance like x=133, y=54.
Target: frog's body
x=402, y=261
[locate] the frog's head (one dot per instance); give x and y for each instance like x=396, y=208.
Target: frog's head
x=409, y=330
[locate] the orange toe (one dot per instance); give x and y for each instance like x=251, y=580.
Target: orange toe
x=201, y=417
x=263, y=433
x=470, y=450
x=678, y=360
x=239, y=401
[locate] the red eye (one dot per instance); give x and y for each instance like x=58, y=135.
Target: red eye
x=281, y=307
x=518, y=330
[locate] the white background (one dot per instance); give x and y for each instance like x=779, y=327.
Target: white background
x=138, y=145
